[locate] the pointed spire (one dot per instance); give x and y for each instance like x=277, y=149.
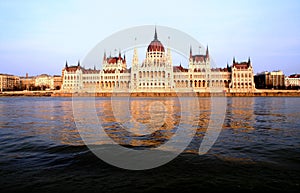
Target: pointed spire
x=78, y=63
x=249, y=61
x=124, y=57
x=66, y=64
x=191, y=53
x=120, y=54
x=169, y=56
x=135, y=59
x=104, y=56
x=94, y=67
x=155, y=34
x=227, y=65
x=233, y=60
x=207, y=52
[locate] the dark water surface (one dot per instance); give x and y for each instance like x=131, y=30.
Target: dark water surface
x=258, y=148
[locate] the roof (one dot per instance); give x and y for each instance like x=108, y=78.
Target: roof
x=179, y=69
x=6, y=74
x=43, y=75
x=199, y=58
x=90, y=71
x=219, y=70
x=294, y=76
x=114, y=60
x=155, y=45
x=109, y=71
x=72, y=68
x=242, y=65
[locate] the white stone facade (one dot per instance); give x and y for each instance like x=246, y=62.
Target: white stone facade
x=156, y=73
x=242, y=77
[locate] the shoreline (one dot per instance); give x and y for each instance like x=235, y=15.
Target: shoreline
x=258, y=93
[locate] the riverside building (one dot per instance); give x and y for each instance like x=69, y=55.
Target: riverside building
x=156, y=73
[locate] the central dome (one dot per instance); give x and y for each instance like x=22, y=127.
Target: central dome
x=155, y=45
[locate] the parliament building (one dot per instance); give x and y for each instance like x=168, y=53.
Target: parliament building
x=156, y=73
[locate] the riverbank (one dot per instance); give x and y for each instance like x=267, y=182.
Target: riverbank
x=264, y=93
x=26, y=93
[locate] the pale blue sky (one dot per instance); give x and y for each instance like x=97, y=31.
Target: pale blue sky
x=39, y=36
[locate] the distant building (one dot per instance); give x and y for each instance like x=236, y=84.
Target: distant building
x=293, y=81
x=270, y=80
x=41, y=82
x=44, y=81
x=156, y=73
x=57, y=82
x=9, y=82
x=27, y=82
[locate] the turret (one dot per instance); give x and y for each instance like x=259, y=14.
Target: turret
x=104, y=56
x=207, y=52
x=120, y=57
x=135, y=59
x=249, y=61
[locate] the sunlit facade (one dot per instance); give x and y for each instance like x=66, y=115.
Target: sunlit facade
x=9, y=82
x=156, y=73
x=293, y=81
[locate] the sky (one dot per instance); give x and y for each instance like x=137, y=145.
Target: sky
x=38, y=37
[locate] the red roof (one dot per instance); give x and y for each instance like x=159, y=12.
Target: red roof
x=294, y=76
x=109, y=71
x=219, y=69
x=199, y=58
x=179, y=69
x=156, y=45
x=72, y=68
x=90, y=71
x=114, y=60
x=242, y=65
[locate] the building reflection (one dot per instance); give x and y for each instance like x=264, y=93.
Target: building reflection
x=140, y=122
x=240, y=113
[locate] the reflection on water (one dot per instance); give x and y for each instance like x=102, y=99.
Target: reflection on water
x=260, y=137
x=240, y=113
x=139, y=122
x=145, y=116
x=150, y=122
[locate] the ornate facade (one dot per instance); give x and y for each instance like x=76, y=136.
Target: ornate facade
x=242, y=77
x=156, y=73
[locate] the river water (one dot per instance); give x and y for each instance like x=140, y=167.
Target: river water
x=258, y=148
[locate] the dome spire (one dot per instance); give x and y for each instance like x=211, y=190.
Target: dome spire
x=155, y=34
x=155, y=45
